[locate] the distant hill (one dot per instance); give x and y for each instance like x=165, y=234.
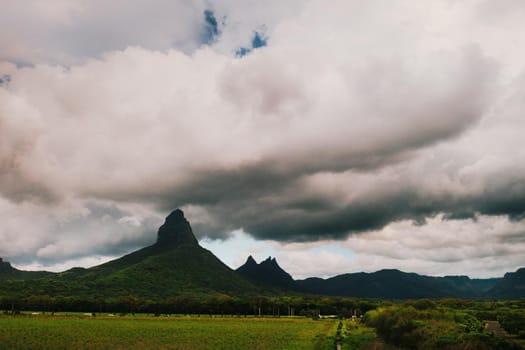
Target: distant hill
x=395, y=284
x=267, y=273
x=9, y=272
x=511, y=286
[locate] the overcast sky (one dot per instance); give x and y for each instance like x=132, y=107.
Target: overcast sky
x=338, y=136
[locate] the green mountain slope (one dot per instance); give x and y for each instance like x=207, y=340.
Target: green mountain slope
x=511, y=286
x=185, y=269
x=174, y=265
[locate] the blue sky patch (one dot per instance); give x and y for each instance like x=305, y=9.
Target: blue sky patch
x=259, y=40
x=211, y=28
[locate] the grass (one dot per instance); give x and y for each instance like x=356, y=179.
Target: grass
x=357, y=336
x=325, y=340
x=73, y=332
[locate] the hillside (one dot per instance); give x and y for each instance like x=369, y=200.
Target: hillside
x=175, y=264
x=511, y=286
x=395, y=284
x=9, y=272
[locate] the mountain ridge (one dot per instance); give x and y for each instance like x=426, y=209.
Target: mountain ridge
x=396, y=284
x=176, y=264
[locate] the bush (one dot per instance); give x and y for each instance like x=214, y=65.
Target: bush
x=513, y=321
x=396, y=325
x=426, y=328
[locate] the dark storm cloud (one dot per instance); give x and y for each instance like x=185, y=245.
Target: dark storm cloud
x=289, y=218
x=507, y=200
x=374, y=214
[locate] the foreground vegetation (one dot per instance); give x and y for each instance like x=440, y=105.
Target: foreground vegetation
x=223, y=322
x=449, y=324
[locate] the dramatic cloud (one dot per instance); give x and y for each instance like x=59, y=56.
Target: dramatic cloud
x=481, y=249
x=342, y=122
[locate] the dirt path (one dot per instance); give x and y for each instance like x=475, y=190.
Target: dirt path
x=495, y=327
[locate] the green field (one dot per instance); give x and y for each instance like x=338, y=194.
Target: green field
x=414, y=324
x=56, y=332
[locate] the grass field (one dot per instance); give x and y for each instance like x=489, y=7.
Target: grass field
x=59, y=332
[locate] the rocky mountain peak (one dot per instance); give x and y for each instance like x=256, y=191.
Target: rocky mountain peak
x=250, y=261
x=270, y=262
x=175, y=231
x=268, y=272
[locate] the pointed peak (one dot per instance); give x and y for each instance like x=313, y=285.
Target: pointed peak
x=249, y=264
x=175, y=231
x=251, y=260
x=176, y=215
x=269, y=262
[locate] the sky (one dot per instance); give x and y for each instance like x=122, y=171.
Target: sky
x=337, y=136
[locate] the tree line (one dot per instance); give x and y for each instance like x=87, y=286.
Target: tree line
x=217, y=304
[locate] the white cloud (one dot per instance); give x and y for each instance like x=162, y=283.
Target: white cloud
x=487, y=247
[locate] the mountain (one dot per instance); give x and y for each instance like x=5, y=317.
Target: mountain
x=511, y=286
x=175, y=264
x=267, y=273
x=9, y=272
x=395, y=284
